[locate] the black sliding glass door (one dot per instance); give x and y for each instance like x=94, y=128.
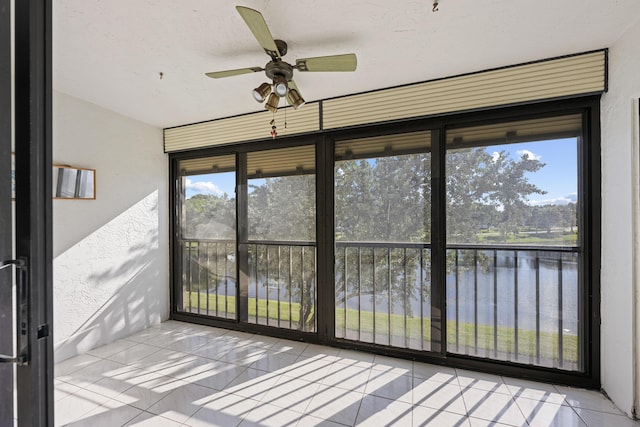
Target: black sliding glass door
x=468, y=242
x=514, y=242
x=26, y=299
x=383, y=240
x=262, y=272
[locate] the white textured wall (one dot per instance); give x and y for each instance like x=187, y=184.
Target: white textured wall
x=619, y=216
x=111, y=255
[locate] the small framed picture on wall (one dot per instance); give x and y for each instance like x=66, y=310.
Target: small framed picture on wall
x=74, y=183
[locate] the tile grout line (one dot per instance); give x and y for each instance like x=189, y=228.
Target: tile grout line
x=238, y=342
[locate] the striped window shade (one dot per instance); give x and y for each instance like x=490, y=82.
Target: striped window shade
x=556, y=78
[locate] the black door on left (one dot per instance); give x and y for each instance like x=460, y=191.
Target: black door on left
x=26, y=346
x=7, y=413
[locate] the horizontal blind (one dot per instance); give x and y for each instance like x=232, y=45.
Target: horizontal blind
x=241, y=128
x=205, y=165
x=517, y=131
x=550, y=79
x=555, y=78
x=281, y=162
x=386, y=145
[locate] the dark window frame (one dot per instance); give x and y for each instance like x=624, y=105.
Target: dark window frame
x=589, y=187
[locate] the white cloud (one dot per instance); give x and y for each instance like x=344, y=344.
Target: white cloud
x=495, y=156
x=571, y=198
x=529, y=154
x=204, y=187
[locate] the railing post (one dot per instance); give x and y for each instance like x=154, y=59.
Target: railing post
x=226, y=284
x=359, y=293
x=475, y=301
x=301, y=285
x=404, y=293
x=389, y=309
x=421, y=266
x=199, y=270
x=257, y=267
x=345, y=290
x=289, y=284
x=190, y=274
x=515, y=300
x=537, y=269
x=560, y=315
x=208, y=272
x=278, y=285
x=266, y=285
x=373, y=251
x=457, y=275
x=495, y=303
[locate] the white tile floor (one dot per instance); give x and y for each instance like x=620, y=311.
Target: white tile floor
x=179, y=374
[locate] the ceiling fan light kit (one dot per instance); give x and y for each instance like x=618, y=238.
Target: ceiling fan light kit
x=272, y=103
x=279, y=71
x=261, y=92
x=280, y=86
x=294, y=99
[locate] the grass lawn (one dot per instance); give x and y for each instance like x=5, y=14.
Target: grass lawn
x=555, y=237
x=396, y=324
x=230, y=304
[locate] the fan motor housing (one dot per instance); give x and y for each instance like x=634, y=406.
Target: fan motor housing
x=282, y=46
x=276, y=69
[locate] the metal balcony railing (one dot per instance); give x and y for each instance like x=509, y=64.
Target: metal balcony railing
x=504, y=302
x=519, y=304
x=282, y=284
x=209, y=277
x=383, y=293
x=281, y=288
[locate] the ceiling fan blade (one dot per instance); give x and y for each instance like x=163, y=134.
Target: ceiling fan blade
x=346, y=62
x=293, y=85
x=229, y=73
x=258, y=26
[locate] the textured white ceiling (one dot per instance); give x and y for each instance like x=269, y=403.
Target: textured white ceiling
x=111, y=52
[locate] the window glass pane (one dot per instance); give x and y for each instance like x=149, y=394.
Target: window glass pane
x=282, y=194
x=519, y=193
x=282, y=208
x=282, y=234
x=384, y=199
x=383, y=230
x=210, y=206
x=208, y=236
x=513, y=242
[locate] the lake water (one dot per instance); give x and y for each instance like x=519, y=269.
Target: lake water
x=500, y=289
x=489, y=285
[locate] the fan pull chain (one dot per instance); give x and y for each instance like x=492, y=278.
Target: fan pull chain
x=435, y=6
x=285, y=119
x=274, y=132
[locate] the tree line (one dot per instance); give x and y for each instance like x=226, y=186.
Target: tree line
x=388, y=199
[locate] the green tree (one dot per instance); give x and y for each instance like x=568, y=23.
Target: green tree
x=487, y=190
x=207, y=216
x=386, y=199
x=283, y=209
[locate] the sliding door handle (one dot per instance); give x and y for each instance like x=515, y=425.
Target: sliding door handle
x=22, y=312
x=8, y=263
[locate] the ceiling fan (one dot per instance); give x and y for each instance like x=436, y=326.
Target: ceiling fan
x=279, y=71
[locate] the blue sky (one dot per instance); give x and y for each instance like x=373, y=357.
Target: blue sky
x=558, y=177
x=217, y=184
